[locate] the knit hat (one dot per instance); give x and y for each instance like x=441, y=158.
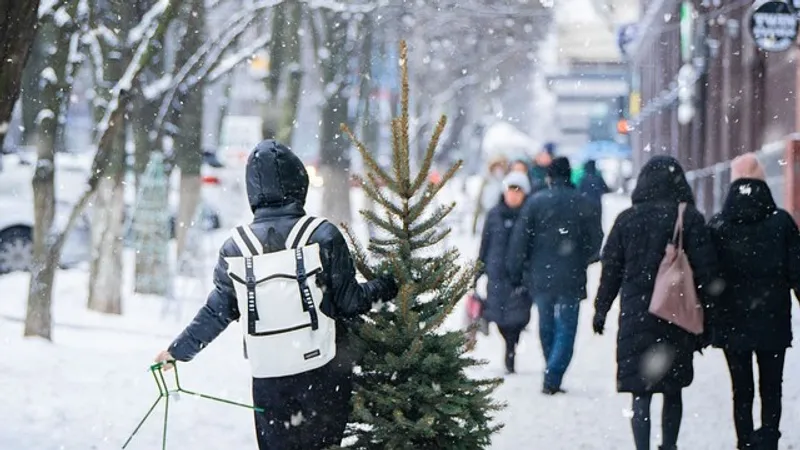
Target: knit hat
x=747, y=166
x=559, y=168
x=519, y=180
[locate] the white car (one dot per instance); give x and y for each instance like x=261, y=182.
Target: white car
x=16, y=236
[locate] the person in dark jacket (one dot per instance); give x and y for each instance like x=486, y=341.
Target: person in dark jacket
x=653, y=356
x=506, y=306
x=277, y=184
x=553, y=242
x=538, y=168
x=593, y=187
x=758, y=246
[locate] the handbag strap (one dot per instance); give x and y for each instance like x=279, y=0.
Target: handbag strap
x=677, y=234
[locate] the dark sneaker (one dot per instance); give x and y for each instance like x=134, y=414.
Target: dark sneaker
x=553, y=391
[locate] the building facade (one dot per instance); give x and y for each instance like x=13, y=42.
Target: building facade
x=708, y=93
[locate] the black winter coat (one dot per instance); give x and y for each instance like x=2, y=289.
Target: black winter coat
x=505, y=305
x=758, y=246
x=593, y=187
x=277, y=185
x=555, y=239
x=653, y=355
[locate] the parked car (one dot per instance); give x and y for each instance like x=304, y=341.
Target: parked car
x=17, y=218
x=16, y=235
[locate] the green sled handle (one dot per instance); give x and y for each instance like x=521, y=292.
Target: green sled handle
x=164, y=393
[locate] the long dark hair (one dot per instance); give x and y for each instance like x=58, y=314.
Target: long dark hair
x=662, y=179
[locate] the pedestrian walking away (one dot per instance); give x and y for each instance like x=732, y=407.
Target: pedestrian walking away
x=758, y=246
x=653, y=356
x=552, y=244
x=302, y=374
x=506, y=305
x=593, y=187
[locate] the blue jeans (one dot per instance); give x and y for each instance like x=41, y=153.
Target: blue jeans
x=558, y=325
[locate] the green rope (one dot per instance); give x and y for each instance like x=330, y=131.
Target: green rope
x=164, y=393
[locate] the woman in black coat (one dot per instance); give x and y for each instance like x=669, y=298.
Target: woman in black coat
x=506, y=306
x=758, y=246
x=653, y=356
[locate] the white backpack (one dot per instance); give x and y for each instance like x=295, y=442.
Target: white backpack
x=285, y=332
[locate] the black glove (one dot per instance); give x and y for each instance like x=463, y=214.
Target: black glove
x=598, y=323
x=388, y=286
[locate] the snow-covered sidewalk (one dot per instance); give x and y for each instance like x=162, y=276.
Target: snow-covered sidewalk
x=90, y=387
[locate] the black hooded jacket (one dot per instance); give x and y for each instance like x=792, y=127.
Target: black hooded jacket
x=277, y=184
x=631, y=257
x=758, y=246
x=554, y=240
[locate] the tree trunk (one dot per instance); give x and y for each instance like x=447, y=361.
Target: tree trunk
x=18, y=22
x=38, y=319
x=189, y=142
x=30, y=91
x=294, y=15
x=105, y=289
x=334, y=146
x=54, y=91
x=144, y=115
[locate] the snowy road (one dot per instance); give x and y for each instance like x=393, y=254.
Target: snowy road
x=89, y=388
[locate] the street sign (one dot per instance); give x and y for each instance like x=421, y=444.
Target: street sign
x=773, y=25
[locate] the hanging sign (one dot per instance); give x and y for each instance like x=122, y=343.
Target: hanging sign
x=773, y=25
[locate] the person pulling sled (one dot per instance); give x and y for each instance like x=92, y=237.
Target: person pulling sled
x=290, y=280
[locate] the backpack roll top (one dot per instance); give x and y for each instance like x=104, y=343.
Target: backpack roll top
x=279, y=299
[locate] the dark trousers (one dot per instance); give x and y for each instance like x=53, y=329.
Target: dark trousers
x=558, y=325
x=770, y=373
x=671, y=416
x=308, y=411
x=511, y=336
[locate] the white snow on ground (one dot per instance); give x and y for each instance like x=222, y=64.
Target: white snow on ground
x=90, y=387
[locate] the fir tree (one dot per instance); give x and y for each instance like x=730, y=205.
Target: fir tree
x=413, y=391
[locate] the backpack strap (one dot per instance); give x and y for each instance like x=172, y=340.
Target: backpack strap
x=246, y=241
x=310, y=229
x=250, y=284
x=305, y=291
x=297, y=230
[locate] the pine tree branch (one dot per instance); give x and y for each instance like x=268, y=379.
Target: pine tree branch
x=429, y=153
x=435, y=219
x=360, y=257
x=431, y=190
x=369, y=160
x=373, y=191
x=385, y=225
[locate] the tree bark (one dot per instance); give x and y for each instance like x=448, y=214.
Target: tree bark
x=334, y=146
x=38, y=318
x=18, y=24
x=54, y=91
x=105, y=289
x=189, y=141
x=29, y=94
x=291, y=103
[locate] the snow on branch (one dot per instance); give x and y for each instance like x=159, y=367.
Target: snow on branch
x=136, y=33
x=46, y=7
x=232, y=61
x=342, y=7
x=207, y=57
x=96, y=54
x=140, y=59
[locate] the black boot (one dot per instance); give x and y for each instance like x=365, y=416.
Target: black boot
x=510, y=362
x=765, y=439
